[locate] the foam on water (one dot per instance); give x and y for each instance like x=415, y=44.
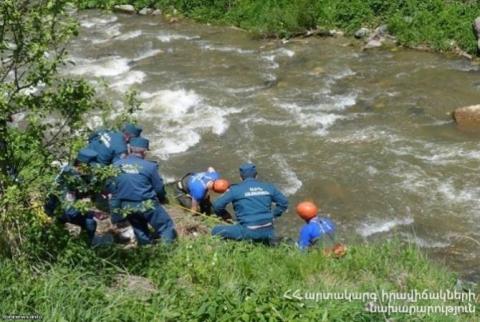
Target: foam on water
x=121, y=83
x=181, y=116
x=317, y=116
x=103, y=67
x=264, y=121
x=129, y=35
x=108, y=34
x=434, y=153
x=226, y=49
x=382, y=226
x=425, y=243
x=271, y=56
x=243, y=90
x=96, y=21
x=270, y=59
x=168, y=37
x=334, y=77
x=366, y=135
x=147, y=54
x=465, y=194
x=289, y=180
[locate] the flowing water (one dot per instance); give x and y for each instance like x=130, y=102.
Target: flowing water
x=367, y=135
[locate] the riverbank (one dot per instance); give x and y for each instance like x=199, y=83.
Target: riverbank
x=206, y=279
x=444, y=26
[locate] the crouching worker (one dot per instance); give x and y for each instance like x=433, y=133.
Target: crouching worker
x=193, y=190
x=137, y=191
x=252, y=201
x=316, y=227
x=74, y=185
x=112, y=145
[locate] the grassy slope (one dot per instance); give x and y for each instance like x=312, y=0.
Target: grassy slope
x=435, y=23
x=207, y=279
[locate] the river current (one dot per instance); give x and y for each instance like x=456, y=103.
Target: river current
x=366, y=134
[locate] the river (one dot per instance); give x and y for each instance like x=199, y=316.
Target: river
x=366, y=134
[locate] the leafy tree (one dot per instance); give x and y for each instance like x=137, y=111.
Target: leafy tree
x=41, y=112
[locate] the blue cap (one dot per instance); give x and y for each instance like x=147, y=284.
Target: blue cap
x=87, y=156
x=132, y=129
x=212, y=176
x=248, y=170
x=140, y=142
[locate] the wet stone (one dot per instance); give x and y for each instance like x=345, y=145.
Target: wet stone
x=362, y=33
x=467, y=117
x=125, y=8
x=476, y=27
x=145, y=11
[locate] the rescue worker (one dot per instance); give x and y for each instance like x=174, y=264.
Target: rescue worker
x=74, y=184
x=137, y=191
x=252, y=201
x=112, y=145
x=192, y=191
x=316, y=227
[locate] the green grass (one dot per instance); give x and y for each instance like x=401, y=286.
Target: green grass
x=211, y=280
x=439, y=24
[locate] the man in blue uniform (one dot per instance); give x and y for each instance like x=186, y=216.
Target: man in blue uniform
x=112, y=145
x=252, y=201
x=193, y=190
x=74, y=185
x=137, y=192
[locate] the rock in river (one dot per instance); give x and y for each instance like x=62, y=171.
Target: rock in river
x=362, y=33
x=467, y=117
x=145, y=11
x=125, y=8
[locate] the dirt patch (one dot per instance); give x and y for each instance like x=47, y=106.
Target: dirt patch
x=187, y=225
x=137, y=286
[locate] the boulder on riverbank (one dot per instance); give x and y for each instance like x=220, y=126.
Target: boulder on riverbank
x=125, y=8
x=145, y=11
x=379, y=37
x=476, y=27
x=476, y=30
x=467, y=117
x=362, y=33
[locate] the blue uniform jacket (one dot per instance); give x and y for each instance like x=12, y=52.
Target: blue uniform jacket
x=138, y=181
x=315, y=229
x=252, y=202
x=109, y=145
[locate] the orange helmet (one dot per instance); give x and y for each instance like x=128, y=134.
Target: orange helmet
x=307, y=210
x=220, y=185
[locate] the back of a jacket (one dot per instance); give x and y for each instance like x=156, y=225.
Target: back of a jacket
x=109, y=145
x=138, y=181
x=252, y=201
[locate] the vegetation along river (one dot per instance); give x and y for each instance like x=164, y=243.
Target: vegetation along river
x=366, y=134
